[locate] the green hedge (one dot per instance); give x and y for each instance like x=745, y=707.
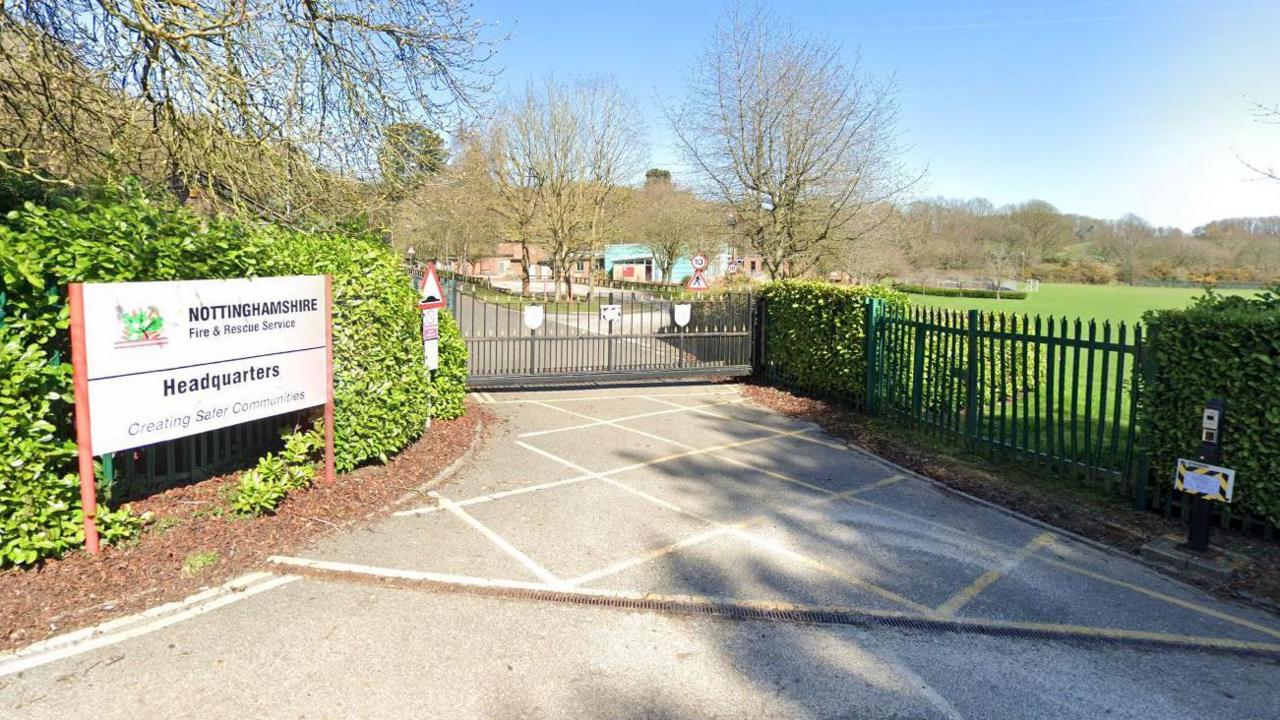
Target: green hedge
x=813, y=335
x=449, y=381
x=961, y=292
x=1227, y=347
x=381, y=384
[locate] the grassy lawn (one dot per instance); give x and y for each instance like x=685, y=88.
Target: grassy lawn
x=1101, y=302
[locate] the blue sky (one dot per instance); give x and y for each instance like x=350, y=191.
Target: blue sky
x=1098, y=106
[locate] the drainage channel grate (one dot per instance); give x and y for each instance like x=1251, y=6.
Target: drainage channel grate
x=686, y=605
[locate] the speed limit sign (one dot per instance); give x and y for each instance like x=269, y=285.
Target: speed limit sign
x=699, y=261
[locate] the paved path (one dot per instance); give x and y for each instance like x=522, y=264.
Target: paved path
x=592, y=558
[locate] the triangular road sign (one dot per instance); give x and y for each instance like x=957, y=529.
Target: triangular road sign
x=430, y=292
x=698, y=283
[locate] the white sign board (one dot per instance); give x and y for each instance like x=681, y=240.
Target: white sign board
x=169, y=359
x=610, y=313
x=431, y=338
x=682, y=312
x=698, y=261
x=1211, y=481
x=533, y=316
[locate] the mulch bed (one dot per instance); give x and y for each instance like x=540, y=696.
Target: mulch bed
x=1109, y=522
x=80, y=590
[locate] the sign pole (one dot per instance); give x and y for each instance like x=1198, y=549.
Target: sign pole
x=329, y=469
x=1212, y=425
x=84, y=447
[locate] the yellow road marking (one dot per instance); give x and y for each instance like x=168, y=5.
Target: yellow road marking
x=999, y=546
x=1187, y=604
x=965, y=596
x=721, y=529
x=822, y=567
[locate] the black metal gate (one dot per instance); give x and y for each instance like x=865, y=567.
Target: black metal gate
x=612, y=335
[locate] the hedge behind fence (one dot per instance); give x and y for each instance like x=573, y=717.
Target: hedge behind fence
x=381, y=386
x=814, y=332
x=1226, y=347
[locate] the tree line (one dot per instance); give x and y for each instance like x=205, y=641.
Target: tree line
x=384, y=115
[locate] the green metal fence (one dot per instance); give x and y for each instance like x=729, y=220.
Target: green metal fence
x=1058, y=393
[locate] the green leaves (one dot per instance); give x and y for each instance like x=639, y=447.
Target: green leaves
x=1225, y=347
x=382, y=387
x=814, y=334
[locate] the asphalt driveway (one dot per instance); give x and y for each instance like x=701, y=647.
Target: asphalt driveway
x=673, y=551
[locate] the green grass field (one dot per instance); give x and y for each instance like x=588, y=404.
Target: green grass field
x=1101, y=302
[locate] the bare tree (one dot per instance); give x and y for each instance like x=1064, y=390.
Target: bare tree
x=798, y=144
x=670, y=221
x=1269, y=114
x=449, y=216
x=263, y=105
x=571, y=146
x=1044, y=230
x=516, y=173
x=1127, y=243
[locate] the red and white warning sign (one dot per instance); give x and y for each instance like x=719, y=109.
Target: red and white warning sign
x=430, y=292
x=698, y=282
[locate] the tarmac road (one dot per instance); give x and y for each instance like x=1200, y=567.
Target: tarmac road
x=597, y=556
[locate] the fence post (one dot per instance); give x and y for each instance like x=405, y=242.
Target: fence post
x=872, y=310
x=1144, y=375
x=971, y=381
x=917, y=371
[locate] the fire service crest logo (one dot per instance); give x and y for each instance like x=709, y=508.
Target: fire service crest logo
x=140, y=327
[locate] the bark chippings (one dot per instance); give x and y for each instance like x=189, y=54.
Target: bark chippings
x=81, y=590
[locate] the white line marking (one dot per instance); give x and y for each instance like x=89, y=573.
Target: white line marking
x=699, y=538
x=92, y=640
x=428, y=509
x=373, y=570
x=629, y=563
x=763, y=543
x=913, y=680
x=730, y=418
x=682, y=408
x=496, y=539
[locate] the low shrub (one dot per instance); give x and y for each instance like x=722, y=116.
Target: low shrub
x=448, y=387
x=121, y=234
x=961, y=292
x=1220, y=347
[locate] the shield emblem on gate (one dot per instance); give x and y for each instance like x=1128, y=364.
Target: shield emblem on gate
x=533, y=316
x=681, y=313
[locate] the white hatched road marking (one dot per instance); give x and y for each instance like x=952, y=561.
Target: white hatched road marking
x=496, y=539
x=596, y=423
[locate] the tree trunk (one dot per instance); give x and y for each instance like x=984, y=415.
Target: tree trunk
x=524, y=264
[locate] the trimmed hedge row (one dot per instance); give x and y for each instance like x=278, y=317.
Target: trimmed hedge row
x=814, y=333
x=1224, y=347
x=961, y=292
x=381, y=385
